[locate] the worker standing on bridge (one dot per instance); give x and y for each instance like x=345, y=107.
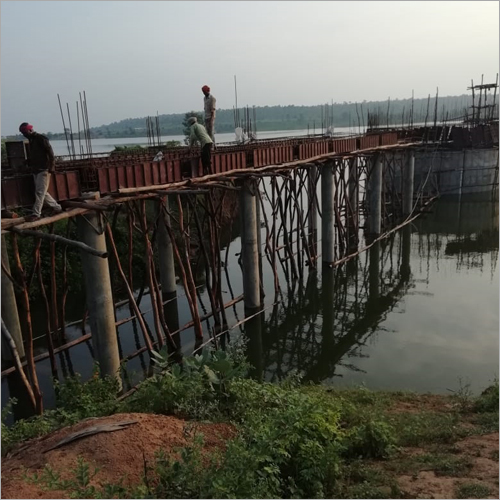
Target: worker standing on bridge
x=198, y=133
x=42, y=163
x=209, y=102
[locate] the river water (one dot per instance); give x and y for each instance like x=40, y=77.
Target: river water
x=419, y=311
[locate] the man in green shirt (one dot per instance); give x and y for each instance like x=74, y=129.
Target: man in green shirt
x=198, y=133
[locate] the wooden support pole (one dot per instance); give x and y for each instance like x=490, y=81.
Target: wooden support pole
x=10, y=312
x=61, y=239
x=328, y=214
x=99, y=295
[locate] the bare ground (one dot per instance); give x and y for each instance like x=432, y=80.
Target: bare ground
x=123, y=453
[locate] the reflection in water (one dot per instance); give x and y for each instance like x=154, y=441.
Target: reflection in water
x=416, y=311
x=325, y=330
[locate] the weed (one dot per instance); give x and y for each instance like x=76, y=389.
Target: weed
x=463, y=397
x=445, y=465
x=472, y=490
x=429, y=427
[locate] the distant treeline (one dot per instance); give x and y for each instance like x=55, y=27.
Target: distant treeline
x=347, y=114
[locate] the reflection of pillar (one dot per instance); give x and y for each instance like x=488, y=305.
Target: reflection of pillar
x=99, y=295
x=167, y=274
x=327, y=214
x=405, y=250
x=374, y=272
x=408, y=184
x=10, y=314
x=352, y=212
x=253, y=333
x=375, y=196
x=328, y=295
x=313, y=211
x=249, y=250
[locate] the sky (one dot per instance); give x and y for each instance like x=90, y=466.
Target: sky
x=140, y=58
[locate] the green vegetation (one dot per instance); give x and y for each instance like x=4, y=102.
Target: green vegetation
x=291, y=441
x=472, y=490
x=75, y=401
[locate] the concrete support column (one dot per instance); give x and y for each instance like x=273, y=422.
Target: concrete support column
x=168, y=282
x=259, y=242
x=166, y=254
x=408, y=180
x=249, y=249
x=99, y=295
x=10, y=313
x=327, y=214
x=375, y=197
x=253, y=334
x=353, y=190
x=312, y=220
x=353, y=212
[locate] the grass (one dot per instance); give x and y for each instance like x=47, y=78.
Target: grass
x=293, y=441
x=472, y=490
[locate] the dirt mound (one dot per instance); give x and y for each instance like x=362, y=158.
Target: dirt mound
x=118, y=454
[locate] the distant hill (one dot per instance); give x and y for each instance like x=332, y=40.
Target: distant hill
x=293, y=117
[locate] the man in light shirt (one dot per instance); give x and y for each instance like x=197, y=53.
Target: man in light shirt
x=209, y=102
x=198, y=133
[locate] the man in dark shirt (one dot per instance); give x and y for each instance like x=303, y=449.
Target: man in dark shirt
x=42, y=163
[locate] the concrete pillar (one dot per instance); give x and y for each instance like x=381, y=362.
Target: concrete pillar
x=353, y=197
x=168, y=282
x=408, y=179
x=99, y=295
x=375, y=197
x=249, y=250
x=312, y=221
x=10, y=313
x=253, y=334
x=166, y=254
x=259, y=244
x=327, y=214
x=353, y=188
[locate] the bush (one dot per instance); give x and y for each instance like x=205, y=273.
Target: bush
x=374, y=438
x=488, y=400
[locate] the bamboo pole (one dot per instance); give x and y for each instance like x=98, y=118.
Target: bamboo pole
x=19, y=365
x=144, y=329
x=61, y=239
x=25, y=303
